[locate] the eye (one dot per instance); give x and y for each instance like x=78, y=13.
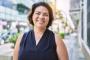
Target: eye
x=45, y=14
x=38, y=13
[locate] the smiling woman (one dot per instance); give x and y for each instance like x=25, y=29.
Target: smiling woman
x=40, y=43
x=40, y=17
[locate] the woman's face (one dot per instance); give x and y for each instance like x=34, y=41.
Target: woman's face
x=40, y=17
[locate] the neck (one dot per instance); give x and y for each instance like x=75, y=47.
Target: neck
x=39, y=30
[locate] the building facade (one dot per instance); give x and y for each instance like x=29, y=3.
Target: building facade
x=85, y=22
x=75, y=11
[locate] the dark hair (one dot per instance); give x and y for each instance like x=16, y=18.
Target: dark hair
x=34, y=6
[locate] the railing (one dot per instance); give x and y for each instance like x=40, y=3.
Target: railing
x=85, y=49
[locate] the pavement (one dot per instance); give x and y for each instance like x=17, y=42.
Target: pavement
x=74, y=50
x=6, y=51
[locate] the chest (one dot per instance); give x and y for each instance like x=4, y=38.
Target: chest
x=40, y=42
x=46, y=46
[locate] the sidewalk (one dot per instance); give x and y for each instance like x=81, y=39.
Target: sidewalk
x=6, y=51
x=73, y=47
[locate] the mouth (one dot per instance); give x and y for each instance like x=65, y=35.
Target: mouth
x=40, y=21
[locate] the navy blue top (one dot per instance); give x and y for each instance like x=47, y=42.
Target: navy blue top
x=44, y=50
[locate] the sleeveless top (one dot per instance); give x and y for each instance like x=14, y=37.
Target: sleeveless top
x=44, y=50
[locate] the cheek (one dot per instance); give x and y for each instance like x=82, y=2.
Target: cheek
x=34, y=18
x=47, y=19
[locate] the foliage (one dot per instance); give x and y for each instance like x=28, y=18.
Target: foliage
x=62, y=34
x=13, y=38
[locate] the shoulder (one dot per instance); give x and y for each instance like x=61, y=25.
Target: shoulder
x=59, y=41
x=16, y=49
x=50, y=31
x=57, y=36
x=61, y=48
x=19, y=39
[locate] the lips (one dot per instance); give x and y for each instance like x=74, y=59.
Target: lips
x=40, y=21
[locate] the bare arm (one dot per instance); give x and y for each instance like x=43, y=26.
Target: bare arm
x=16, y=49
x=61, y=48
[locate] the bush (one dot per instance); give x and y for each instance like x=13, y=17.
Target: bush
x=13, y=38
x=62, y=34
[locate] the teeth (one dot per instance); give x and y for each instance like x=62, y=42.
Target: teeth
x=41, y=21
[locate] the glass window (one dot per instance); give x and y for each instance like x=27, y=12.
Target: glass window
x=88, y=22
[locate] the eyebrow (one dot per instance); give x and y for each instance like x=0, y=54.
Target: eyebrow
x=44, y=12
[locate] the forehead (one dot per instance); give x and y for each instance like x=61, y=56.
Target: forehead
x=41, y=8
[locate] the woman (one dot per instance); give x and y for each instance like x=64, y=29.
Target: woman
x=40, y=43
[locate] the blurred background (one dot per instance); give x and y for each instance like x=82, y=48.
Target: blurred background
x=71, y=21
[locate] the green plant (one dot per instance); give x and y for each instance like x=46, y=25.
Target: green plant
x=13, y=38
x=62, y=34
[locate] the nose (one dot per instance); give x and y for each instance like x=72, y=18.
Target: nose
x=41, y=16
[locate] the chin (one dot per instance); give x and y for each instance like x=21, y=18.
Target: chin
x=41, y=26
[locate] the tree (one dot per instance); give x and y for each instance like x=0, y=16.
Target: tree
x=22, y=8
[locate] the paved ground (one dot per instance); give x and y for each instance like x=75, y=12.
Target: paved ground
x=6, y=52
x=6, y=49
x=73, y=47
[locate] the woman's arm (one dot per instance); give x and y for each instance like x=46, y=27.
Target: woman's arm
x=16, y=49
x=61, y=48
